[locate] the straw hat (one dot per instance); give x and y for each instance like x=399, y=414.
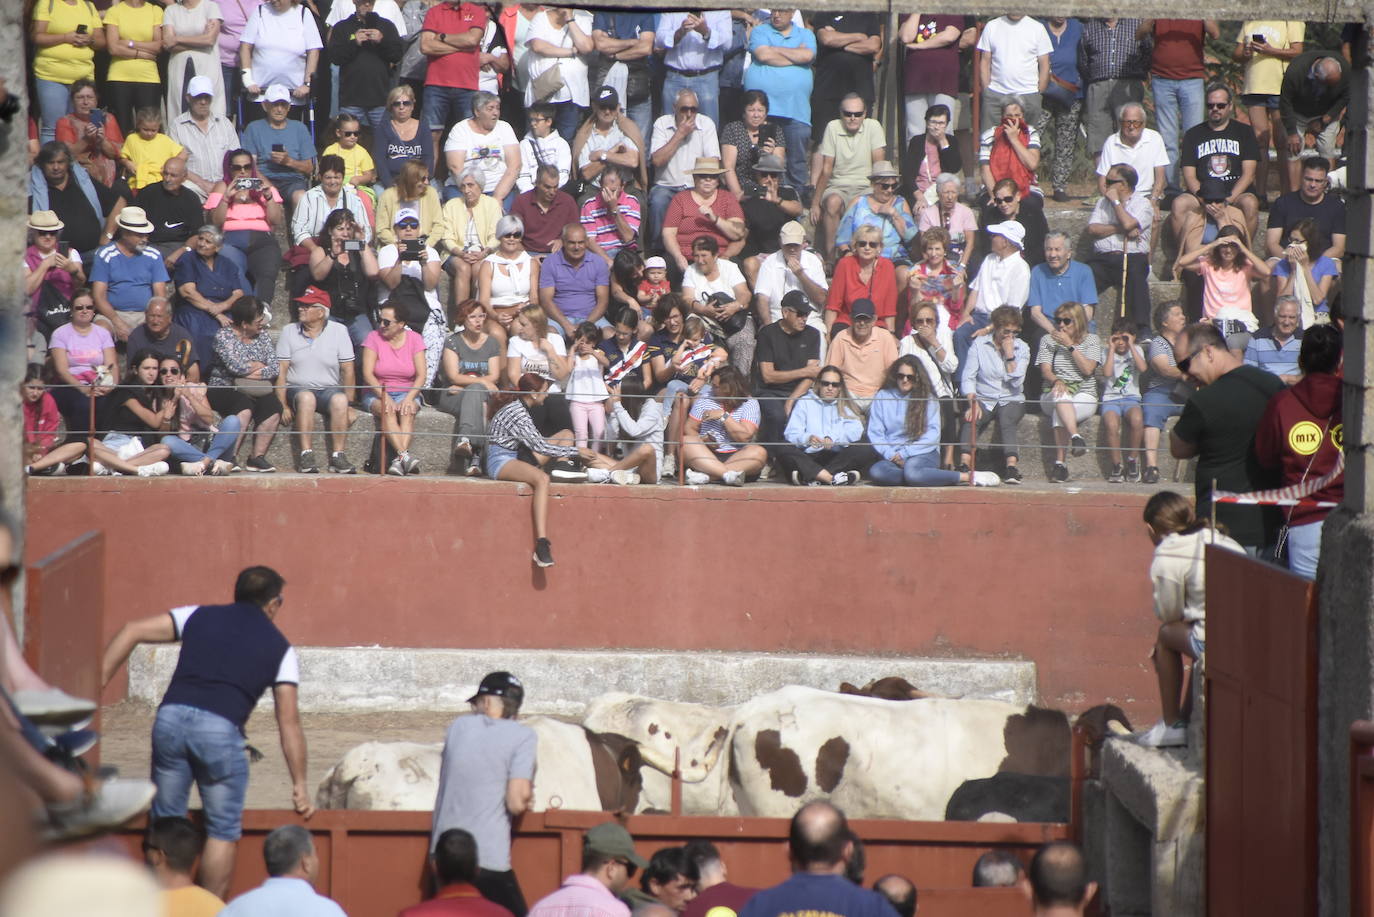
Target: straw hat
x=45, y=221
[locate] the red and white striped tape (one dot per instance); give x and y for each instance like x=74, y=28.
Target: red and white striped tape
x=1292, y=495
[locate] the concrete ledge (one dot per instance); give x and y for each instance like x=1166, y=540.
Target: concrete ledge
x=563, y=682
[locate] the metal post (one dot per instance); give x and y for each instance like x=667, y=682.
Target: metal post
x=90, y=432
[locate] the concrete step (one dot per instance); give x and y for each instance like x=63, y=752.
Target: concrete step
x=562, y=682
x=432, y=444
x=1038, y=453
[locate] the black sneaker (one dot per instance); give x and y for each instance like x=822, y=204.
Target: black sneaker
x=1133, y=470
x=567, y=472
x=307, y=462
x=1077, y=445
x=78, y=467
x=339, y=464
x=543, y=553
x=1151, y=475
x=1061, y=196
x=260, y=464
x=1059, y=473
x=460, y=463
x=1117, y=476
x=962, y=468
x=796, y=477
x=1011, y=475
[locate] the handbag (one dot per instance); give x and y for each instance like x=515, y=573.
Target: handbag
x=254, y=388
x=547, y=84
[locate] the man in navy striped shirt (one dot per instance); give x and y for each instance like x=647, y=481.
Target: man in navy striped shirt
x=1275, y=349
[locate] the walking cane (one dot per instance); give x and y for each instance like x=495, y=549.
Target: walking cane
x=1125, y=244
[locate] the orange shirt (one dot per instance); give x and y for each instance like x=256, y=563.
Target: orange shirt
x=863, y=365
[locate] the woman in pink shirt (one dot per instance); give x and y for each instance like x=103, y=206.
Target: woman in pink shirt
x=245, y=206
x=1227, y=267
x=394, y=365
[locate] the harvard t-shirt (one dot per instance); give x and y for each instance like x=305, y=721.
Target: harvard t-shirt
x=1219, y=154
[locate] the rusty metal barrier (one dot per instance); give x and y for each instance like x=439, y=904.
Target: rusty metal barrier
x=1361, y=818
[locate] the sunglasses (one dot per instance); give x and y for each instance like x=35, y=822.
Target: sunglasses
x=402, y=103
x=240, y=167
x=1132, y=122
x=1186, y=363
x=1063, y=321
x=386, y=322
x=83, y=308
x=408, y=224
x=348, y=133
x=862, y=319
x=688, y=109
x=829, y=383
x=46, y=232
x=169, y=371
x=906, y=377
x=514, y=235
x=1114, y=181
x=1005, y=200
x=1215, y=105
x=886, y=185
x=852, y=114
x=867, y=244
x=924, y=321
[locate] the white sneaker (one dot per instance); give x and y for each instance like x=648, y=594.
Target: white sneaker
x=1161, y=735
x=221, y=468
x=733, y=478
x=624, y=477
x=844, y=478
x=598, y=476
x=109, y=805
x=101, y=471
x=697, y=477
x=669, y=465
x=154, y=470
x=986, y=479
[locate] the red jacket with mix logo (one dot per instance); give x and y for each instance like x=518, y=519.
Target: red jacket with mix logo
x=1300, y=434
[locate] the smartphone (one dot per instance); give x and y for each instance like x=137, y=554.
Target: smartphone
x=1257, y=38
x=278, y=148
x=353, y=245
x=412, y=249
x=768, y=131
x=98, y=117
x=81, y=29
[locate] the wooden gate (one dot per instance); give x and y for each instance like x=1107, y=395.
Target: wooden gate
x=1261, y=739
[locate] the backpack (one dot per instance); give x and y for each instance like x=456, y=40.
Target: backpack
x=410, y=303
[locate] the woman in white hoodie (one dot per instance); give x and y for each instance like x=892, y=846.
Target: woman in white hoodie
x=1178, y=574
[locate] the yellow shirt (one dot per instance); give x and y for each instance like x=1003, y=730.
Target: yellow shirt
x=65, y=63
x=134, y=25
x=1264, y=74
x=191, y=901
x=475, y=226
x=149, y=156
x=356, y=161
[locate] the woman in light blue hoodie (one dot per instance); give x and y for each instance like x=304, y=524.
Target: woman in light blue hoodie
x=904, y=426
x=825, y=435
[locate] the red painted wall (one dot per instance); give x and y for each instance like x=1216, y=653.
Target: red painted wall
x=1057, y=578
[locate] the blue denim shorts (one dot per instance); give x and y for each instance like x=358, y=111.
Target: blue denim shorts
x=1194, y=644
x=1251, y=99
x=194, y=745
x=1159, y=406
x=322, y=396
x=1119, y=406
x=496, y=457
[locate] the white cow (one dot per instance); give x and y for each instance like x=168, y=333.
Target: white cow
x=405, y=775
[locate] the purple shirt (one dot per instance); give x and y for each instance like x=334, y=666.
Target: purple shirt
x=574, y=288
x=580, y=896
x=235, y=15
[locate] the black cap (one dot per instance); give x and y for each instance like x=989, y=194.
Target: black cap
x=1211, y=190
x=796, y=301
x=861, y=307
x=606, y=97
x=500, y=684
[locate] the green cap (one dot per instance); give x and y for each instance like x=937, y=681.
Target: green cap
x=610, y=839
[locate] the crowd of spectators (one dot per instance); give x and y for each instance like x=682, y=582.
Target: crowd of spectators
x=709, y=193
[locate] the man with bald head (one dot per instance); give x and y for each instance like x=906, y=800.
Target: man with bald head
x=1312, y=100
x=899, y=892
x=1059, y=881
x=818, y=845
x=173, y=208
x=160, y=335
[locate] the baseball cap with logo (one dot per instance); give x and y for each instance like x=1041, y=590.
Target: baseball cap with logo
x=314, y=296
x=500, y=684
x=606, y=97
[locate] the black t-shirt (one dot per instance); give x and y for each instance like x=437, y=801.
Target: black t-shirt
x=837, y=61
x=1031, y=216
x=84, y=226
x=785, y=351
x=1289, y=209
x=764, y=219
x=123, y=420
x=177, y=345
x=1221, y=420
x=1219, y=154
x=174, y=216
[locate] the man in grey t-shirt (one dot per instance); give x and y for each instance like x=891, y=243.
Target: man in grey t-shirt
x=487, y=776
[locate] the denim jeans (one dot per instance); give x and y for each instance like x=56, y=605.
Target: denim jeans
x=359, y=327
x=372, y=117
x=1305, y=548
x=54, y=101
x=797, y=134
x=921, y=470
x=642, y=114
x=221, y=445
x=444, y=105
x=190, y=744
x=1178, y=106
x=706, y=86
x=660, y=196
x=963, y=336
x=567, y=118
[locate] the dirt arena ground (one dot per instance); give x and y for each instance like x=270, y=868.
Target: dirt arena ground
x=126, y=729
